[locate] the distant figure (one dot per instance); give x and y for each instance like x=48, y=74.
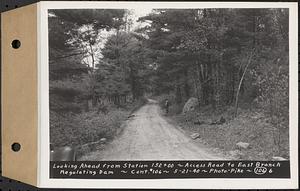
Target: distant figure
x=167, y=104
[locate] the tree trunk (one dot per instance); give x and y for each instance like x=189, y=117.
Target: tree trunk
x=240, y=83
x=199, y=84
x=86, y=105
x=196, y=89
x=178, y=94
x=186, y=84
x=93, y=57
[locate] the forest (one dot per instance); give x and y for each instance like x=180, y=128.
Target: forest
x=105, y=63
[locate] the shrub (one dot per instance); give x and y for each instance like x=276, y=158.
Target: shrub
x=273, y=98
x=73, y=129
x=79, y=129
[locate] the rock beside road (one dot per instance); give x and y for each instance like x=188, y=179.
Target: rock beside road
x=237, y=154
x=278, y=158
x=195, y=135
x=103, y=140
x=242, y=145
x=190, y=105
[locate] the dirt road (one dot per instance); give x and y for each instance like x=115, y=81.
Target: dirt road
x=148, y=136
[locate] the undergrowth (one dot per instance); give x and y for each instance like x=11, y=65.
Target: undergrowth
x=77, y=129
x=252, y=125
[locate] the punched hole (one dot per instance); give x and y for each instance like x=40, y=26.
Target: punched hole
x=16, y=44
x=16, y=147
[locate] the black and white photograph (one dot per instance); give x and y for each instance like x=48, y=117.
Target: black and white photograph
x=169, y=84
x=151, y=95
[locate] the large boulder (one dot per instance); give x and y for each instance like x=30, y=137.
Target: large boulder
x=195, y=135
x=190, y=105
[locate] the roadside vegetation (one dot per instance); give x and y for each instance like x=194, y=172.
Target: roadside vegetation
x=95, y=81
x=86, y=131
x=252, y=126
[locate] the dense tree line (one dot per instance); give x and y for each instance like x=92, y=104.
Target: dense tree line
x=74, y=38
x=204, y=53
x=216, y=55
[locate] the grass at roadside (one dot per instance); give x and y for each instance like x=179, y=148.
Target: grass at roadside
x=250, y=126
x=80, y=129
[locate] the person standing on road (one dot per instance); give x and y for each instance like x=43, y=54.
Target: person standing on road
x=167, y=104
